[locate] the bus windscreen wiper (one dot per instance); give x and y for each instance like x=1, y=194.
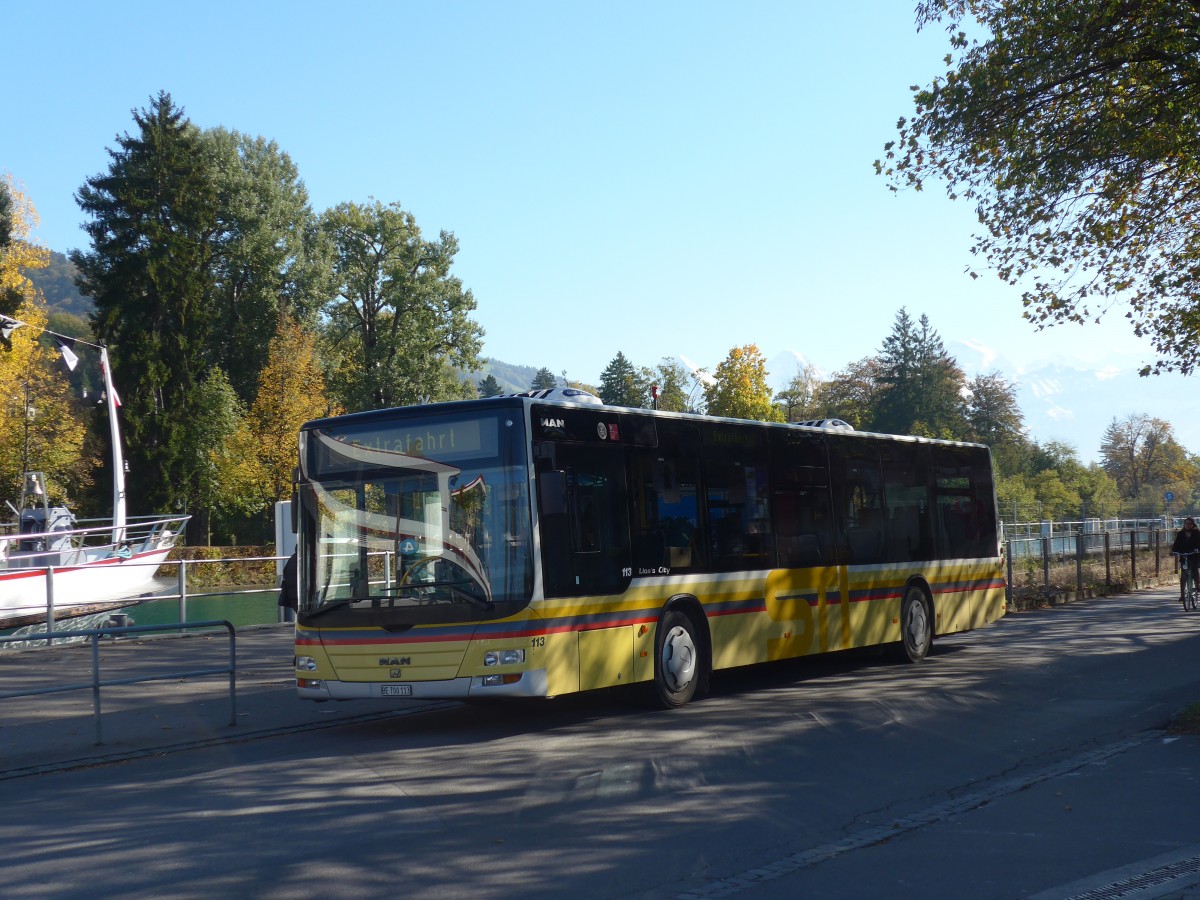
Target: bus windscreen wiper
x=336, y=604
x=455, y=587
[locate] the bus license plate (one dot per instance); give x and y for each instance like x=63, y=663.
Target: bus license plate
x=395, y=690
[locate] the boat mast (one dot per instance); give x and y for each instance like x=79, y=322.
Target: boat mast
x=118, y=459
x=65, y=342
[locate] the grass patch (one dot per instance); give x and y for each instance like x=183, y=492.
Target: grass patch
x=1187, y=721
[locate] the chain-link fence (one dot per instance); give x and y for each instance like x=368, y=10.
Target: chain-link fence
x=1059, y=561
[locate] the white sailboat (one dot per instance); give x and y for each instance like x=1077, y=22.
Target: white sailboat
x=51, y=563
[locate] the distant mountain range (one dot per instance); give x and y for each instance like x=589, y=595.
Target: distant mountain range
x=57, y=284
x=512, y=378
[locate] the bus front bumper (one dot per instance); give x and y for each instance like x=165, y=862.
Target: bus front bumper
x=525, y=684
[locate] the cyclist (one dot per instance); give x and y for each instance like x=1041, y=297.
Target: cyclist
x=1187, y=540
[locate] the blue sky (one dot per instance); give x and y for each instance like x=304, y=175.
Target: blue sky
x=655, y=178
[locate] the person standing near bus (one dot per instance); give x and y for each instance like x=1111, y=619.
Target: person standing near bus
x=1187, y=540
x=289, y=591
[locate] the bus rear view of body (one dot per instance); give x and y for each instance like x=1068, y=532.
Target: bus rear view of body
x=528, y=546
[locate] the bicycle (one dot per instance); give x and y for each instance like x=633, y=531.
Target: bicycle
x=1188, y=589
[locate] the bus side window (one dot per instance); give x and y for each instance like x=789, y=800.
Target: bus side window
x=858, y=500
x=737, y=499
x=802, y=507
x=552, y=492
x=909, y=534
x=586, y=514
x=664, y=500
x=802, y=519
x=739, y=515
x=966, y=519
x=585, y=546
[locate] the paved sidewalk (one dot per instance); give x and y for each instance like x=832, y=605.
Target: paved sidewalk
x=54, y=731
x=1135, y=800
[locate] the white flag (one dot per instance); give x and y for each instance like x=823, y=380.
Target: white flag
x=68, y=354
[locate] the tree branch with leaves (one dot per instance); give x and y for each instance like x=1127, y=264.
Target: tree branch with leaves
x=1072, y=125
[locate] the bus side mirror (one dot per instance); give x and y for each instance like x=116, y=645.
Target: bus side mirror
x=552, y=492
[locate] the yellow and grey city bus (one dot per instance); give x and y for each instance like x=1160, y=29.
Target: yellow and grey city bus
x=542, y=544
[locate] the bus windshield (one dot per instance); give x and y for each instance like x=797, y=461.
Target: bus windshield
x=416, y=518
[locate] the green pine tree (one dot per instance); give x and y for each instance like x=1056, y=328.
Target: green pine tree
x=152, y=214
x=490, y=387
x=543, y=379
x=622, y=385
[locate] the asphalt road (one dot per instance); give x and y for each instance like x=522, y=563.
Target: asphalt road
x=1023, y=760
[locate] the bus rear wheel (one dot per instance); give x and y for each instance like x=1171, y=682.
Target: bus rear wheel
x=676, y=660
x=916, y=624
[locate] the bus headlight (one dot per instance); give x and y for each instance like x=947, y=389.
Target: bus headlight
x=306, y=663
x=503, y=657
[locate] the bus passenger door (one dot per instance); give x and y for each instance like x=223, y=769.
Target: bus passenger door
x=859, y=516
x=583, y=519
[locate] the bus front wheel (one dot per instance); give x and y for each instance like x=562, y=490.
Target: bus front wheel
x=676, y=660
x=916, y=624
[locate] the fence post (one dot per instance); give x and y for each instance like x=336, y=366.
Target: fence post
x=1008, y=582
x=1079, y=563
x=1046, y=568
x=96, y=687
x=1157, y=553
x=49, y=599
x=181, y=575
x=1107, y=562
x=1133, y=557
x=97, y=683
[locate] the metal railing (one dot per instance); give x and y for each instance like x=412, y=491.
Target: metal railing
x=1104, y=562
x=1042, y=558
x=97, y=683
x=1066, y=527
x=181, y=595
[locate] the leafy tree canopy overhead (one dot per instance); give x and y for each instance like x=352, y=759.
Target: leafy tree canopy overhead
x=1072, y=126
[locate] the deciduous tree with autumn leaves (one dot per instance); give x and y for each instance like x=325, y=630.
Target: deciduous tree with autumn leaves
x=41, y=427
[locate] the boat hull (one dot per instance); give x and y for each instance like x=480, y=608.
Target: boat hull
x=24, y=591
